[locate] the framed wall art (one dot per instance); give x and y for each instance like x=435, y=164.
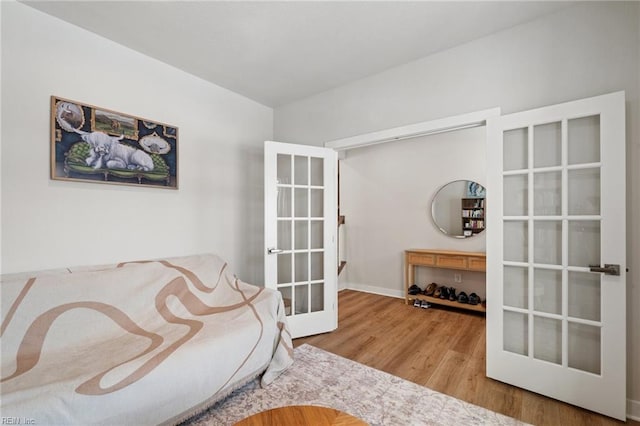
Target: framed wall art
x=94, y=144
x=475, y=190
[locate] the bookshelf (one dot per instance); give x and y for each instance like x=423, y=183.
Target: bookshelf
x=472, y=216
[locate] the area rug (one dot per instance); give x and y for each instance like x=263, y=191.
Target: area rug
x=321, y=378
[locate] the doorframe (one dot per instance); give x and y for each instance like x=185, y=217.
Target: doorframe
x=425, y=128
x=395, y=134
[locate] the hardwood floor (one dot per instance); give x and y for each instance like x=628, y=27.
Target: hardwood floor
x=443, y=349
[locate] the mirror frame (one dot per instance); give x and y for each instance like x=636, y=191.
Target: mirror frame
x=433, y=209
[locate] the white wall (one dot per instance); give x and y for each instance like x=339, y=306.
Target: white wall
x=385, y=194
x=1, y=202
x=50, y=224
x=581, y=51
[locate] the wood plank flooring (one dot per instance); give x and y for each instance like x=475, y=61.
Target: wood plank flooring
x=441, y=348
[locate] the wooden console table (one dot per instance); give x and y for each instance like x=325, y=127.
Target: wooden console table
x=447, y=259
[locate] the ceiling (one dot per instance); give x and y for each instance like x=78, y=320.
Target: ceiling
x=279, y=52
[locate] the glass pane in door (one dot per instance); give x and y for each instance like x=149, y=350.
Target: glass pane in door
x=302, y=234
x=547, y=145
x=516, y=287
x=516, y=245
x=317, y=266
x=286, y=298
x=547, y=241
x=547, y=339
x=302, y=299
x=301, y=267
x=301, y=170
x=301, y=202
x=584, y=242
x=284, y=168
x=317, y=171
x=284, y=234
x=516, y=195
x=584, y=295
x=515, y=149
x=317, y=202
x=284, y=202
x=584, y=140
x=547, y=290
x=584, y=191
x=317, y=297
x=584, y=347
x=547, y=194
x=284, y=268
x=317, y=234
x=516, y=332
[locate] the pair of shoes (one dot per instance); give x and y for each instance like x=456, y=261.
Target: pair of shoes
x=430, y=290
x=474, y=299
x=437, y=292
x=425, y=304
x=414, y=289
x=444, y=292
x=416, y=303
x=448, y=293
x=452, y=294
x=463, y=298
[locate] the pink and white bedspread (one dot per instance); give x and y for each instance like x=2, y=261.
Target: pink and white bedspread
x=150, y=342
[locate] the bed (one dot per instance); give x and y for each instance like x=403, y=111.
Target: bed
x=146, y=342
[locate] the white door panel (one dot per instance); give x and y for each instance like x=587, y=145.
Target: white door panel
x=556, y=178
x=300, y=233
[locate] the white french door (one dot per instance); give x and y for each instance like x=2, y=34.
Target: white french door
x=556, y=272
x=301, y=214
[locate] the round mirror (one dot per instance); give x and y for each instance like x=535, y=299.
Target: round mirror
x=457, y=208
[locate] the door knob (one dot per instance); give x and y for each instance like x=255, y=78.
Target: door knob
x=608, y=269
x=273, y=250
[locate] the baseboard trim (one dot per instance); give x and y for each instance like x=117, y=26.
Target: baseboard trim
x=633, y=410
x=375, y=290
